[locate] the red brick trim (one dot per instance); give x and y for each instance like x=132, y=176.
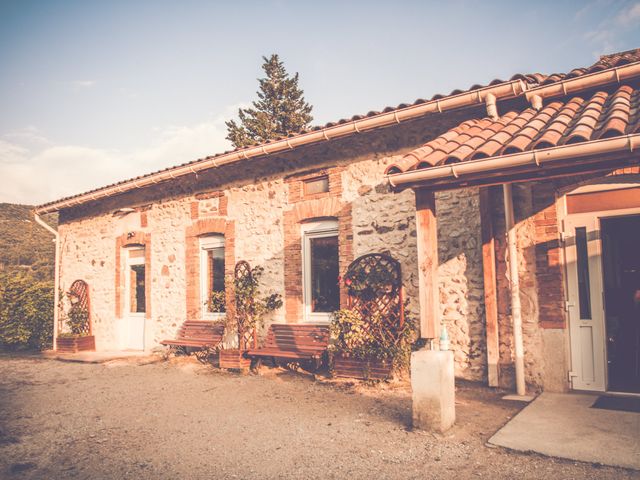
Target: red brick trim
x=549, y=274
x=194, y=210
x=305, y=211
x=128, y=240
x=549, y=267
x=192, y=260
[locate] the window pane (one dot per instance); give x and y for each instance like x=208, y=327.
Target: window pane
x=325, y=292
x=215, y=276
x=316, y=185
x=137, y=289
x=582, y=255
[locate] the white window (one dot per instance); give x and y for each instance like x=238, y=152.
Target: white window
x=212, y=291
x=320, y=270
x=135, y=282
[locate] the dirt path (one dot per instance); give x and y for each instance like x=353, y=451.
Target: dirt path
x=180, y=419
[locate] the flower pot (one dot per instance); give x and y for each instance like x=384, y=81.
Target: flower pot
x=364, y=369
x=76, y=344
x=234, y=359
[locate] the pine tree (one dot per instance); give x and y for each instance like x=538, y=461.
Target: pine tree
x=279, y=111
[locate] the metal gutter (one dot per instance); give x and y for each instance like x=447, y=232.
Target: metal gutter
x=583, y=82
x=506, y=90
x=503, y=163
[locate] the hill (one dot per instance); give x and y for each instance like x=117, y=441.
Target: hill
x=25, y=245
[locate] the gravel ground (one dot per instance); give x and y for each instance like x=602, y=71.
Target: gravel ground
x=180, y=419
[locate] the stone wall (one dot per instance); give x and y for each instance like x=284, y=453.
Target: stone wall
x=461, y=280
x=380, y=221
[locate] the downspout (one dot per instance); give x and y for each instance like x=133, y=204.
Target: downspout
x=512, y=252
x=56, y=279
x=514, y=281
x=512, y=255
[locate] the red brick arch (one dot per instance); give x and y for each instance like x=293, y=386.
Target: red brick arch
x=206, y=226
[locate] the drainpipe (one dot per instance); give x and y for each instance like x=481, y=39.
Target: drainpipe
x=492, y=107
x=536, y=102
x=516, y=309
x=56, y=279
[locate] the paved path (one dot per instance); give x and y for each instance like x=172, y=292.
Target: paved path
x=565, y=425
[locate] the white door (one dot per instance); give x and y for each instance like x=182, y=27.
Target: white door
x=585, y=304
x=320, y=270
x=135, y=299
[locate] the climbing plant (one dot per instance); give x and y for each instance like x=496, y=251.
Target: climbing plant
x=374, y=325
x=251, y=304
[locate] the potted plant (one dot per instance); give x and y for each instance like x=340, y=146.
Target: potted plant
x=78, y=336
x=363, y=348
x=251, y=309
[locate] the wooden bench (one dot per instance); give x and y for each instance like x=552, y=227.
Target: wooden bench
x=294, y=342
x=199, y=334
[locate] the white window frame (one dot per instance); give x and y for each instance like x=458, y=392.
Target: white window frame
x=208, y=242
x=310, y=230
x=129, y=262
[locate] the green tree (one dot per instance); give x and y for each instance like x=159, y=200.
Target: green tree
x=26, y=311
x=279, y=111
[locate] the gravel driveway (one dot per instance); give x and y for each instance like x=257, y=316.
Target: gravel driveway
x=180, y=419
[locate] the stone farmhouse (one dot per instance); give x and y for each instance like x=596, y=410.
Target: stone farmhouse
x=513, y=208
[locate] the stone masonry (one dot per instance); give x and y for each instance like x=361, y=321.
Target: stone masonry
x=376, y=221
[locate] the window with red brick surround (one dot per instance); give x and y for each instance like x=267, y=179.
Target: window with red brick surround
x=202, y=227
x=125, y=240
x=316, y=209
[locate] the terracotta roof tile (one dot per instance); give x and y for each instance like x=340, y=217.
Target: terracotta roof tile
x=602, y=115
x=531, y=79
x=605, y=61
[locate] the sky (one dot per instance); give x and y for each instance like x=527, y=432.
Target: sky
x=92, y=92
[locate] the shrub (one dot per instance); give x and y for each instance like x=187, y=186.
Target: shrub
x=26, y=311
x=364, y=339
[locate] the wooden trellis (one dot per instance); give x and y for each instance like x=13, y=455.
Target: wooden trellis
x=247, y=336
x=374, y=286
x=79, y=296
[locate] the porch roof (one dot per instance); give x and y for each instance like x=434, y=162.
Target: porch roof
x=588, y=119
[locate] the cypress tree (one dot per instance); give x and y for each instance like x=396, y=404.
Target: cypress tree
x=279, y=111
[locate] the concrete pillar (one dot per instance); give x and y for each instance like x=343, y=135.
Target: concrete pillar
x=432, y=383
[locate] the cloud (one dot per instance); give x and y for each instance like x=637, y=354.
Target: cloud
x=629, y=16
x=83, y=83
x=606, y=36
x=10, y=153
x=32, y=174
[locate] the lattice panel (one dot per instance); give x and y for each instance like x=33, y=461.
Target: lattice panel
x=79, y=295
x=247, y=337
x=374, y=286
